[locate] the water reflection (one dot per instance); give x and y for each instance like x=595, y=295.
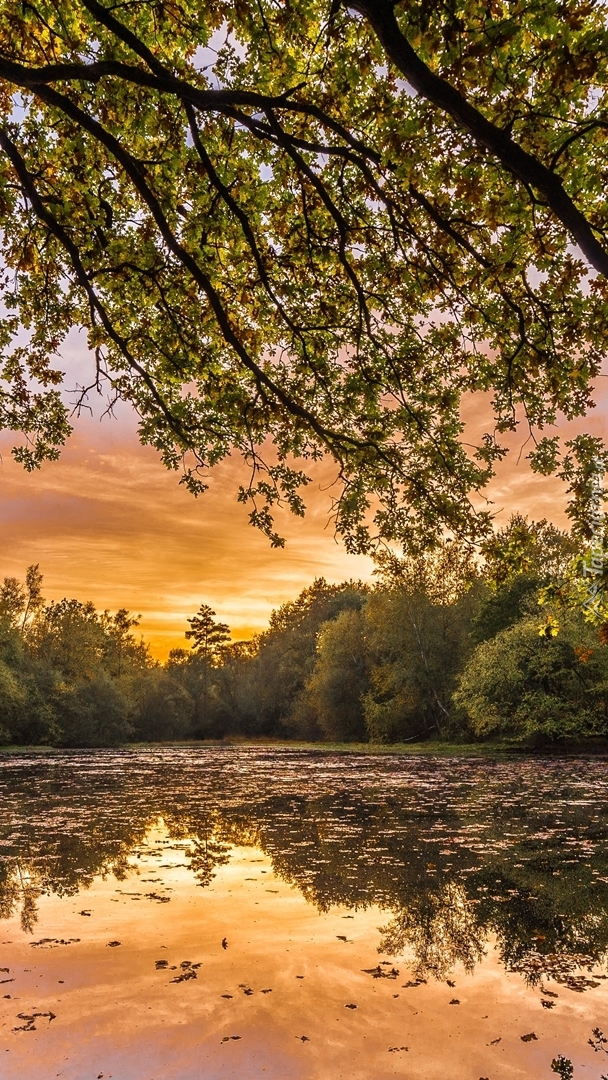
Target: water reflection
x=456, y=852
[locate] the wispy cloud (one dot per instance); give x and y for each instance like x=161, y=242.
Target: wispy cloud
x=107, y=522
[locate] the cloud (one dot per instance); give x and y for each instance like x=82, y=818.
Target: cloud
x=515, y=488
x=108, y=523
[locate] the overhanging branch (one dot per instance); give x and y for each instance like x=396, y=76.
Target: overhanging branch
x=381, y=16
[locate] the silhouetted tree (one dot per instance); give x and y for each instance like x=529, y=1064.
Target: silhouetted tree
x=208, y=637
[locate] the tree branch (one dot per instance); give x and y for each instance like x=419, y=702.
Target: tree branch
x=207, y=100
x=29, y=189
x=381, y=16
x=133, y=170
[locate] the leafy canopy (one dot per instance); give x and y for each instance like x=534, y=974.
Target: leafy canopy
x=309, y=227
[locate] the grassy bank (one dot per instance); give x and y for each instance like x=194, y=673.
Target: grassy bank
x=432, y=748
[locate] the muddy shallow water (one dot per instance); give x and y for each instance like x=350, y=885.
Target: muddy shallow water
x=256, y=913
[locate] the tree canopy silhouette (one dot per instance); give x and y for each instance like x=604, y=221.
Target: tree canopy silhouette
x=207, y=634
x=311, y=227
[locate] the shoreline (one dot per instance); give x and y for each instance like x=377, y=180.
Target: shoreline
x=597, y=747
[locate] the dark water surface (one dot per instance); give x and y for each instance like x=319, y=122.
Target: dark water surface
x=249, y=913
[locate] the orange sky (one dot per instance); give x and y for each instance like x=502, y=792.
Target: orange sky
x=108, y=523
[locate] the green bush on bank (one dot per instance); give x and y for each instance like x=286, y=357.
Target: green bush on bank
x=529, y=684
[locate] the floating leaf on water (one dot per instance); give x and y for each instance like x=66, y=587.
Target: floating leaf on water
x=378, y=973
x=184, y=976
x=30, y=1019
x=51, y=943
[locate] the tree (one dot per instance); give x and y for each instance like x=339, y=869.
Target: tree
x=68, y=636
x=94, y=712
x=336, y=687
x=287, y=653
x=12, y=601
x=163, y=708
x=19, y=603
x=68, y=674
x=256, y=687
x=208, y=635
x=121, y=651
x=34, y=600
x=417, y=646
x=543, y=679
x=208, y=638
x=312, y=226
x=532, y=548
x=443, y=575
x=12, y=703
x=521, y=560
x=241, y=693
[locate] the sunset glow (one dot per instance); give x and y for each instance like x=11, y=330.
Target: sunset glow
x=109, y=523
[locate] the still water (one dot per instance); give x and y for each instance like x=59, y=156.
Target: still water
x=201, y=914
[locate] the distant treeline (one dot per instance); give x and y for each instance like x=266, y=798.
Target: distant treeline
x=444, y=645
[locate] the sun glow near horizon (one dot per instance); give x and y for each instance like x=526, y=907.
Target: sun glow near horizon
x=108, y=522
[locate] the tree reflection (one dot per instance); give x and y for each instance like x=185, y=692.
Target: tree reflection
x=19, y=892
x=440, y=928
x=453, y=867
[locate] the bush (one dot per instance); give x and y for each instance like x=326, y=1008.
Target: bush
x=535, y=681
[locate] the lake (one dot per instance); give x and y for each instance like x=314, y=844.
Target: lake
x=272, y=913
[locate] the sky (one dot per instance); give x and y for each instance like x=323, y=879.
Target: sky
x=107, y=522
